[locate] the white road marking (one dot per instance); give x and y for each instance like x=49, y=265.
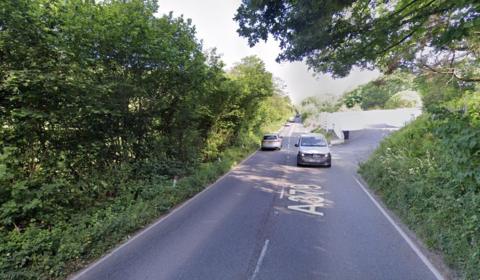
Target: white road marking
x=306, y=187
x=309, y=199
x=290, y=131
x=282, y=193
x=309, y=196
x=260, y=259
x=412, y=245
x=309, y=208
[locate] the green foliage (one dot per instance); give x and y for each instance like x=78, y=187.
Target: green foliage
x=46, y=253
x=404, y=99
x=437, y=90
x=376, y=94
x=328, y=134
x=396, y=102
x=428, y=173
x=352, y=98
x=100, y=103
x=333, y=36
x=81, y=95
x=314, y=105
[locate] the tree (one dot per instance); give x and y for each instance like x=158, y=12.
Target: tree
x=313, y=105
x=100, y=101
x=375, y=94
x=333, y=36
x=255, y=84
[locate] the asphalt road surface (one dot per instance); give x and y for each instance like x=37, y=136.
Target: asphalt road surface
x=269, y=219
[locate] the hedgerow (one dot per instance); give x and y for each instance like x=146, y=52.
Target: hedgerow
x=429, y=174
x=102, y=104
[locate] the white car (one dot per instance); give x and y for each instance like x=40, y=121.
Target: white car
x=313, y=150
x=271, y=141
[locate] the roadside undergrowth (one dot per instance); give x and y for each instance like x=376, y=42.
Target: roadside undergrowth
x=428, y=174
x=56, y=251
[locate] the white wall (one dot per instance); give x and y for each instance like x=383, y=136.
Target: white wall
x=341, y=121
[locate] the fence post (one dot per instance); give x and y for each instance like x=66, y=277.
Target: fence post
x=174, y=181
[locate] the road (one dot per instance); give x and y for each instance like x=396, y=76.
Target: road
x=269, y=219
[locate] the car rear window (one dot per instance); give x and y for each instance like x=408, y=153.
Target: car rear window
x=269, y=137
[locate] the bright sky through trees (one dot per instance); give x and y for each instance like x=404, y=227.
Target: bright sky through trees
x=217, y=29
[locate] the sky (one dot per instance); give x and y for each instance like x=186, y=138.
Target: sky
x=213, y=20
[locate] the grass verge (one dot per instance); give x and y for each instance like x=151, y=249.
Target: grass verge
x=430, y=178
x=57, y=251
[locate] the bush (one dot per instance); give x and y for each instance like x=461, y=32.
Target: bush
x=376, y=94
x=51, y=252
x=96, y=118
x=328, y=134
x=428, y=173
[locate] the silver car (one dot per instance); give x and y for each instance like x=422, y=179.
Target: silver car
x=313, y=150
x=271, y=141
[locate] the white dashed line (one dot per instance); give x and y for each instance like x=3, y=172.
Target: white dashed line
x=260, y=259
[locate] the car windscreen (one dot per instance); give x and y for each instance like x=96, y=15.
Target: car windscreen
x=313, y=142
x=269, y=137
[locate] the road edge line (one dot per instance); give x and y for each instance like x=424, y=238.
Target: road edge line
x=83, y=271
x=409, y=241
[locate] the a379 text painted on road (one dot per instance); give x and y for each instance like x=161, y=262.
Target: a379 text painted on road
x=309, y=198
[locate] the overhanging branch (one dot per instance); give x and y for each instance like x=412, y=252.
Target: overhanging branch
x=450, y=71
